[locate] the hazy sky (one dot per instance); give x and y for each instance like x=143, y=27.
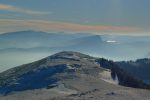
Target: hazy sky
x=130, y=16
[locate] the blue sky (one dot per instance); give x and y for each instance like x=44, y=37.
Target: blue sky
x=123, y=15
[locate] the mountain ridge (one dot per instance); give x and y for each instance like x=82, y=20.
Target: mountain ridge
x=70, y=75
x=56, y=68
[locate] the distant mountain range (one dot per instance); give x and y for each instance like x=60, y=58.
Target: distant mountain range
x=31, y=39
x=71, y=75
x=28, y=46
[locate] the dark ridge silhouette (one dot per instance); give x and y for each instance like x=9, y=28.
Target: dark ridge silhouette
x=124, y=77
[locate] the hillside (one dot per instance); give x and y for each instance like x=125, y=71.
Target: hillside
x=68, y=75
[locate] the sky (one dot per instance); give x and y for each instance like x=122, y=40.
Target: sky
x=100, y=16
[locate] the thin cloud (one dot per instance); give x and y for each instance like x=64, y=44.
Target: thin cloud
x=21, y=10
x=17, y=25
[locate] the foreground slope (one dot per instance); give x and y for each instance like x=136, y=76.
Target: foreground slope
x=66, y=76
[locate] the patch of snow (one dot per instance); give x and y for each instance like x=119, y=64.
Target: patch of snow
x=62, y=89
x=69, y=67
x=72, y=56
x=106, y=76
